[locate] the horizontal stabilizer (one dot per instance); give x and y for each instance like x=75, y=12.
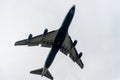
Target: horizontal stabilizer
x=39, y=72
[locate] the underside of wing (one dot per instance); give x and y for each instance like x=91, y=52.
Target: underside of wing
x=46, y=39
x=68, y=47
x=76, y=57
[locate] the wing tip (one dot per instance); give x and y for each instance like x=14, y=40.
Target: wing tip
x=16, y=43
x=21, y=42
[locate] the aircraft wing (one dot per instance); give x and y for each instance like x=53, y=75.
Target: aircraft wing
x=68, y=48
x=46, y=40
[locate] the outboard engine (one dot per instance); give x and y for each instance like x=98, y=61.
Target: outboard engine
x=80, y=54
x=74, y=43
x=30, y=37
x=45, y=31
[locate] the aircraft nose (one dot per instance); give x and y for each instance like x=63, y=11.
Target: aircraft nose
x=72, y=9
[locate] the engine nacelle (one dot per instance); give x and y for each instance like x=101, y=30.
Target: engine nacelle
x=45, y=31
x=80, y=54
x=74, y=43
x=30, y=37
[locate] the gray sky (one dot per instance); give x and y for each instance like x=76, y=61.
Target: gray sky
x=96, y=26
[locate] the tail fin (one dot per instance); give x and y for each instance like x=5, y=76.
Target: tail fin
x=39, y=72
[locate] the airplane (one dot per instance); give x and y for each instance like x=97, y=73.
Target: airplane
x=56, y=40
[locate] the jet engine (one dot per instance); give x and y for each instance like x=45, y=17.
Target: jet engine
x=45, y=31
x=74, y=43
x=80, y=54
x=30, y=37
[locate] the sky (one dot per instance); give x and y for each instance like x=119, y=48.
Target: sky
x=96, y=26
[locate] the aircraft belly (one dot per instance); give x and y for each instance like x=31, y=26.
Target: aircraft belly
x=51, y=56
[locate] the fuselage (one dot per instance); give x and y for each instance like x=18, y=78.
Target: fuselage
x=60, y=37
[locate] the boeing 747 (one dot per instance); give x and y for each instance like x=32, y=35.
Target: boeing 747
x=56, y=40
